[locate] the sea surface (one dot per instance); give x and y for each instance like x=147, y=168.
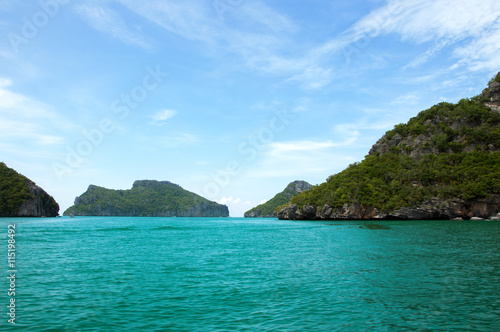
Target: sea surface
x=235, y=274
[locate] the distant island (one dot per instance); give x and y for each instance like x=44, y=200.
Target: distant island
x=147, y=198
x=443, y=164
x=21, y=197
x=268, y=209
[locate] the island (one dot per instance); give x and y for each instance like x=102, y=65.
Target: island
x=21, y=197
x=147, y=198
x=268, y=209
x=443, y=164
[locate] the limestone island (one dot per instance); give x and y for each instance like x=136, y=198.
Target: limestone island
x=147, y=198
x=268, y=209
x=21, y=197
x=443, y=164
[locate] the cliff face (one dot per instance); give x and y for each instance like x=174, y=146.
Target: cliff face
x=433, y=209
x=442, y=164
x=21, y=197
x=268, y=209
x=41, y=205
x=146, y=198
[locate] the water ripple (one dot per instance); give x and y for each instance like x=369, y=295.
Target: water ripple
x=188, y=274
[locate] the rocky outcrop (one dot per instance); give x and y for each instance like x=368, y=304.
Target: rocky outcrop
x=491, y=95
x=296, y=187
x=268, y=209
x=256, y=214
x=41, y=205
x=434, y=209
x=442, y=133
x=21, y=197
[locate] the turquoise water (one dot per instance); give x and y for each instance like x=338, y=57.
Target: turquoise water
x=234, y=274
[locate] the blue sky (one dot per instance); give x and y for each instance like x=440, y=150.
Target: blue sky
x=231, y=99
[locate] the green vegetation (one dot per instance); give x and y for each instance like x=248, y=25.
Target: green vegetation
x=14, y=190
x=268, y=209
x=448, y=151
x=485, y=95
x=453, y=127
x=391, y=181
x=146, y=198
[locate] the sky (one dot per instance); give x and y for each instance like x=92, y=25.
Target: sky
x=230, y=99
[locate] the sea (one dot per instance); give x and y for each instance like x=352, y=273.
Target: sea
x=237, y=274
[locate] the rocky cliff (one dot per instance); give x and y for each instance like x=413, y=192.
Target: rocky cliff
x=146, y=198
x=432, y=209
x=442, y=164
x=21, y=197
x=268, y=209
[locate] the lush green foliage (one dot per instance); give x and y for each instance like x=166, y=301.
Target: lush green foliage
x=146, y=198
x=14, y=190
x=453, y=127
x=391, y=181
x=269, y=208
x=464, y=162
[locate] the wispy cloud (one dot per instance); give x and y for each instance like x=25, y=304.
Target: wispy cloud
x=178, y=140
x=173, y=140
x=106, y=20
x=50, y=140
x=313, y=77
x=230, y=199
x=407, y=99
x=281, y=148
x=444, y=23
x=483, y=53
x=161, y=117
x=305, y=158
x=22, y=118
x=266, y=40
x=189, y=19
x=260, y=36
x=264, y=18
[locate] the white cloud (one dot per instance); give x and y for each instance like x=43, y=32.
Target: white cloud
x=313, y=77
x=265, y=40
x=445, y=23
x=160, y=117
x=189, y=18
x=427, y=20
x=108, y=21
x=224, y=200
x=5, y=82
x=483, y=53
x=279, y=148
x=258, y=35
x=229, y=200
x=50, y=140
x=179, y=140
x=407, y=99
x=236, y=206
x=306, y=158
x=22, y=118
